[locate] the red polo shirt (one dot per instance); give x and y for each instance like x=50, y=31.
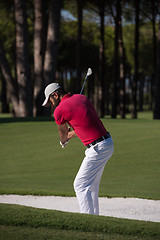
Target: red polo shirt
x=78, y=112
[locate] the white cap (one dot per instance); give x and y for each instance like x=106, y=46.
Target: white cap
x=48, y=91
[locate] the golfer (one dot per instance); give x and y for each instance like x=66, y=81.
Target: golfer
x=77, y=111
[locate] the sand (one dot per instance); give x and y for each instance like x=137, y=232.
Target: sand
x=129, y=208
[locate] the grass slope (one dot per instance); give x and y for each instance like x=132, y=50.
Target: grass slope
x=32, y=161
x=20, y=222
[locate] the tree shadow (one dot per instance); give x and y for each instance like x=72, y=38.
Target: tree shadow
x=25, y=119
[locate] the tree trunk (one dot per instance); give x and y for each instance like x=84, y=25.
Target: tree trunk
x=10, y=81
x=65, y=80
x=141, y=90
x=51, y=54
x=157, y=82
x=79, y=46
x=38, y=56
x=4, y=96
x=136, y=62
x=154, y=53
x=122, y=68
x=22, y=65
x=101, y=104
x=116, y=63
x=90, y=88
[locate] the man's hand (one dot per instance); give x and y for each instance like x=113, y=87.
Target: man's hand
x=63, y=144
x=65, y=134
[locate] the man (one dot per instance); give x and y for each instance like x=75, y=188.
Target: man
x=77, y=111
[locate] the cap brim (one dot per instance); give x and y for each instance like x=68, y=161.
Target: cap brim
x=46, y=103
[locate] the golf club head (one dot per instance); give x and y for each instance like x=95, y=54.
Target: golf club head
x=89, y=72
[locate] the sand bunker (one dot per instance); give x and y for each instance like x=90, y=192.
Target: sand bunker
x=130, y=208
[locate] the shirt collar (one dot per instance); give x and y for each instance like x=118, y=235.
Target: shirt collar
x=66, y=96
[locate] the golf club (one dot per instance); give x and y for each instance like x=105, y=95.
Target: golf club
x=89, y=72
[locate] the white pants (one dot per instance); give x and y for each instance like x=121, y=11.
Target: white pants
x=86, y=183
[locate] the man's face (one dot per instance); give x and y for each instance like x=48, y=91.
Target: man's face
x=54, y=100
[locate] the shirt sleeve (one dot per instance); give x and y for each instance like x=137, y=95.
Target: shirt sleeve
x=59, y=117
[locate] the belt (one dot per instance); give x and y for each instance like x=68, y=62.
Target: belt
x=99, y=140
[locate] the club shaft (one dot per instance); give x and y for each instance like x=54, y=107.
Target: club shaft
x=83, y=84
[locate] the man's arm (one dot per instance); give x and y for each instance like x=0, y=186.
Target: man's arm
x=65, y=134
x=71, y=134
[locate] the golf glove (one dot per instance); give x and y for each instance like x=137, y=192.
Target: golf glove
x=63, y=144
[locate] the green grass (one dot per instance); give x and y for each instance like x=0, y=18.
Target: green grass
x=32, y=161
x=17, y=222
